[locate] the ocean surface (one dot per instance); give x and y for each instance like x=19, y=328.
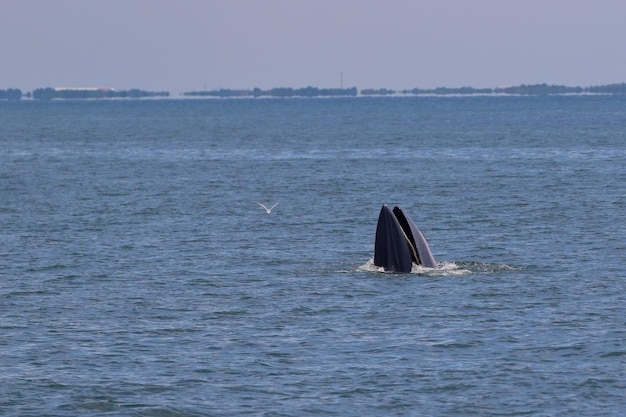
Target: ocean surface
x=138, y=277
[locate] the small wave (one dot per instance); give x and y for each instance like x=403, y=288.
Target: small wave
x=445, y=268
x=487, y=268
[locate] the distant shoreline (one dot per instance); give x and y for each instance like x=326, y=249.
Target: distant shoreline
x=49, y=93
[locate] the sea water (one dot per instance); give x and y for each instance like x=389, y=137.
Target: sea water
x=138, y=277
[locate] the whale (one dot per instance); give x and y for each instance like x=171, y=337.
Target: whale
x=399, y=243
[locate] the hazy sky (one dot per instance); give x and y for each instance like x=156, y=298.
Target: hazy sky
x=183, y=45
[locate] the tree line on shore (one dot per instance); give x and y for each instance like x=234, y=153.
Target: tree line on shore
x=11, y=94
x=533, y=89
x=93, y=93
x=277, y=92
x=103, y=93
x=79, y=93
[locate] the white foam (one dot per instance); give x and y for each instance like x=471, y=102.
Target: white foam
x=370, y=267
x=444, y=269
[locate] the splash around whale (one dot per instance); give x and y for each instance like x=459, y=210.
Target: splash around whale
x=399, y=243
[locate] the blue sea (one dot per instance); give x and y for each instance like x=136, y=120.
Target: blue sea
x=138, y=277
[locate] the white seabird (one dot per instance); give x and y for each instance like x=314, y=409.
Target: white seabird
x=267, y=210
